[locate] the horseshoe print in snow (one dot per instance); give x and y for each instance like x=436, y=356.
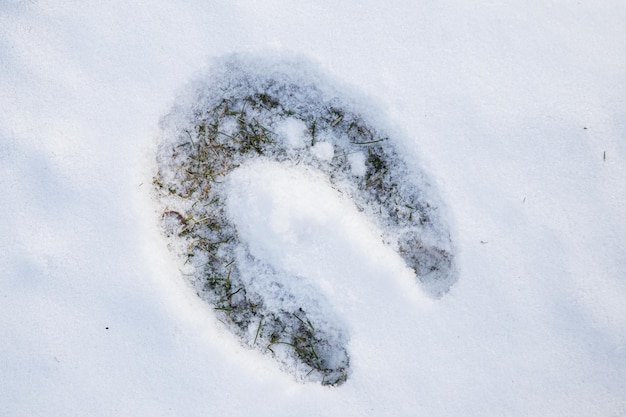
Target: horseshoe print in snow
x=284, y=112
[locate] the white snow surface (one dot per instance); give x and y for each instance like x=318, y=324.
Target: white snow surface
x=517, y=112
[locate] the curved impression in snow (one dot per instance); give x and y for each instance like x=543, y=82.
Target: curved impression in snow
x=282, y=112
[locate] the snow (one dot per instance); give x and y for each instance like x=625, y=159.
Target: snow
x=357, y=163
x=515, y=110
x=323, y=151
x=293, y=131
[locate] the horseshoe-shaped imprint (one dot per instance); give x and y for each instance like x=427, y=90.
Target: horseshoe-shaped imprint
x=284, y=111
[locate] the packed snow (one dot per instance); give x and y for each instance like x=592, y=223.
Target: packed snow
x=514, y=111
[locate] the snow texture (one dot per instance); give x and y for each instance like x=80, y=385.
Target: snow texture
x=515, y=111
x=231, y=121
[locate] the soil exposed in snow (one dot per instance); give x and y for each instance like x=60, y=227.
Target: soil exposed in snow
x=230, y=124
